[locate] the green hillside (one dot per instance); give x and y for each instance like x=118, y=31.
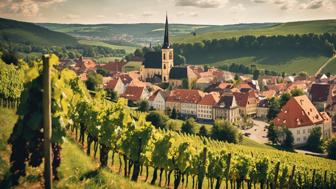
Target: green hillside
x=128, y=49
x=219, y=32
x=289, y=62
x=24, y=32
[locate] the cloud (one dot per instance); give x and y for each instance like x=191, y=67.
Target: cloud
x=201, y=3
x=71, y=16
x=237, y=8
x=101, y=16
x=259, y=1
x=147, y=13
x=27, y=8
x=193, y=14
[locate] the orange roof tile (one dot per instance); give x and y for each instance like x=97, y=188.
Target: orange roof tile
x=298, y=112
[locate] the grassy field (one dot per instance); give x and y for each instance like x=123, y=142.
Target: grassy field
x=132, y=66
x=330, y=68
x=303, y=27
x=128, y=49
x=289, y=62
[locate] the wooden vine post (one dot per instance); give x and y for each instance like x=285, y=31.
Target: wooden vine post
x=291, y=178
x=47, y=122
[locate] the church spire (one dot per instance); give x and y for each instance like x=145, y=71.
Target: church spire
x=166, y=44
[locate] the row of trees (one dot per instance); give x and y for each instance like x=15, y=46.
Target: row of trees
x=253, y=70
x=222, y=130
x=67, y=52
x=312, y=43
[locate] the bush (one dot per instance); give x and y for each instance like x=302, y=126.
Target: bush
x=331, y=149
x=203, y=131
x=225, y=131
x=158, y=119
x=143, y=106
x=314, y=142
x=189, y=126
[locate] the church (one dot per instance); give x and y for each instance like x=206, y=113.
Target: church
x=158, y=66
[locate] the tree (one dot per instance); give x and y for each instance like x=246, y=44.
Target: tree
x=102, y=71
x=110, y=93
x=225, y=131
x=143, y=106
x=10, y=58
x=173, y=114
x=256, y=74
x=274, y=108
x=203, y=131
x=185, y=84
x=272, y=134
x=303, y=74
x=288, y=139
x=297, y=92
x=331, y=149
x=284, y=99
x=206, y=67
x=158, y=119
x=189, y=126
x=94, y=81
x=314, y=142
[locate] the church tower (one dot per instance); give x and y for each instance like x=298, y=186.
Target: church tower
x=167, y=55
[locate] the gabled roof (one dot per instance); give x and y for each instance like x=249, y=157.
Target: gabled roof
x=225, y=101
x=298, y=112
x=153, y=59
x=112, y=83
x=185, y=96
x=319, y=92
x=133, y=93
x=164, y=94
x=244, y=99
x=268, y=94
x=178, y=73
x=209, y=99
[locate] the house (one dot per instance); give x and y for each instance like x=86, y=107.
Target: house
x=158, y=99
x=204, y=82
x=84, y=65
x=135, y=94
x=267, y=94
x=221, y=87
x=184, y=101
x=114, y=66
x=247, y=103
x=226, y=108
x=302, y=85
x=179, y=74
x=262, y=108
x=300, y=116
x=321, y=95
x=116, y=85
x=204, y=106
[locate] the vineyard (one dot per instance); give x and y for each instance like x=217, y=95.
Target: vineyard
x=108, y=129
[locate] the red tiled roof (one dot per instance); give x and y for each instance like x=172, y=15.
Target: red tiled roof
x=268, y=94
x=133, y=93
x=113, y=66
x=209, y=99
x=243, y=99
x=111, y=84
x=185, y=96
x=298, y=112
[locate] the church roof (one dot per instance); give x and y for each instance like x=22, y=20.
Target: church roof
x=178, y=73
x=153, y=60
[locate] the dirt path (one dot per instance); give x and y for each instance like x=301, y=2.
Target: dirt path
x=324, y=65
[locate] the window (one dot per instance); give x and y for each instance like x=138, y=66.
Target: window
x=170, y=55
x=298, y=132
x=164, y=66
x=164, y=56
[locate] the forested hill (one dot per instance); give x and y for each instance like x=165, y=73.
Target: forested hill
x=29, y=33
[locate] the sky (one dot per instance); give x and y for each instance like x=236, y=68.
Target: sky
x=217, y=12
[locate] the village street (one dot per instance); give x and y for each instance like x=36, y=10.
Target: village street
x=258, y=132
